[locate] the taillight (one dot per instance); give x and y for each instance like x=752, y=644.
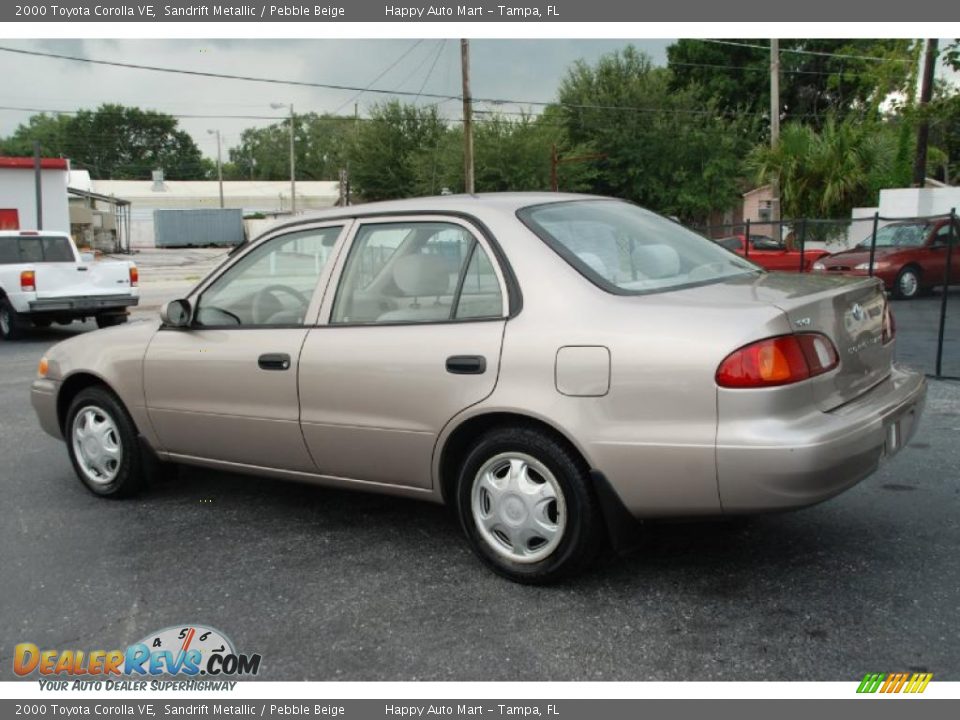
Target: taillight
x=134, y=276
x=778, y=361
x=889, y=325
x=28, y=281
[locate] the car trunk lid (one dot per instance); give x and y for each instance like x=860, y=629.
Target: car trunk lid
x=849, y=311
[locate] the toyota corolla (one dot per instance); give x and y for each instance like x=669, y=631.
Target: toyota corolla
x=554, y=367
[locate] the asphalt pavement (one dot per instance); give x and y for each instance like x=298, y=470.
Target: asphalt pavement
x=328, y=584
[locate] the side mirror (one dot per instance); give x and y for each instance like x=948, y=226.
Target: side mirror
x=87, y=257
x=176, y=313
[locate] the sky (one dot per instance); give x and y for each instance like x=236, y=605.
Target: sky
x=523, y=70
x=529, y=70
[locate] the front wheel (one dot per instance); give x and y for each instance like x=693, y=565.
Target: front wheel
x=907, y=284
x=102, y=443
x=527, y=507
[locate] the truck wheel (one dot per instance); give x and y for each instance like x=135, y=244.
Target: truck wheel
x=11, y=323
x=104, y=321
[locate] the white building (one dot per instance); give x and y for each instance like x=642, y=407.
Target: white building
x=18, y=194
x=252, y=196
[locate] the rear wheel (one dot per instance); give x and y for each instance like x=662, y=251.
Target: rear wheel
x=527, y=507
x=103, y=446
x=11, y=323
x=907, y=284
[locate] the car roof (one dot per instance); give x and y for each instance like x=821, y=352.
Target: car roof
x=471, y=204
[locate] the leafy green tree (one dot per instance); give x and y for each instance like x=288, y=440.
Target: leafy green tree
x=384, y=159
x=509, y=155
x=825, y=174
x=830, y=77
x=665, y=148
x=115, y=142
x=52, y=131
x=944, y=116
x=321, y=144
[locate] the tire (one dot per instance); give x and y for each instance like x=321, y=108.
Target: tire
x=107, y=425
x=12, y=324
x=109, y=320
x=499, y=481
x=907, y=284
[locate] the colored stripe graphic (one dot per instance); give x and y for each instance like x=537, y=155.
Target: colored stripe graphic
x=890, y=683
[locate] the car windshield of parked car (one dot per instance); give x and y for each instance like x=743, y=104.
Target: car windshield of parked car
x=625, y=249
x=905, y=235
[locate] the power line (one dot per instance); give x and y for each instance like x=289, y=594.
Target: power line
x=373, y=82
x=800, y=51
x=432, y=66
x=493, y=101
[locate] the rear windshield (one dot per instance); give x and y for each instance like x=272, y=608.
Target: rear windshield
x=625, y=249
x=35, y=249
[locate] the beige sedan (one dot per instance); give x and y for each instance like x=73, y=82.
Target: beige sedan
x=552, y=366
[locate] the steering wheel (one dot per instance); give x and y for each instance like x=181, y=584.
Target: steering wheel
x=265, y=305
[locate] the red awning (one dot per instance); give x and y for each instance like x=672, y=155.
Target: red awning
x=26, y=163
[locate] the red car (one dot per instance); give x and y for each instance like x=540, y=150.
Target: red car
x=910, y=257
x=771, y=254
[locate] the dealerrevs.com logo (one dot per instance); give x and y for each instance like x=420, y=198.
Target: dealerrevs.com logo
x=180, y=651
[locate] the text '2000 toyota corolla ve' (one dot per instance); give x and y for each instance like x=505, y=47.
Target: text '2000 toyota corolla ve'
x=550, y=365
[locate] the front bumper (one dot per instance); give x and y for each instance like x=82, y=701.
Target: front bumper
x=43, y=397
x=83, y=304
x=820, y=455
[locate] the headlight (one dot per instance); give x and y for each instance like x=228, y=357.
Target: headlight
x=877, y=265
x=819, y=266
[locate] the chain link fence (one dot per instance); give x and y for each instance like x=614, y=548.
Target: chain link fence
x=917, y=258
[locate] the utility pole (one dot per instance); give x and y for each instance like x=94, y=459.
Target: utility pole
x=293, y=168
x=923, y=128
x=38, y=181
x=775, y=124
x=219, y=165
x=467, y=118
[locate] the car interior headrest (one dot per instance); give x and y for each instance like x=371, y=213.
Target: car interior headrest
x=418, y=275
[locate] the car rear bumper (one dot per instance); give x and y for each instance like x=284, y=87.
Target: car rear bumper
x=43, y=397
x=820, y=455
x=83, y=304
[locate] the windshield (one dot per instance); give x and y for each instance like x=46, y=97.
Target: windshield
x=625, y=249
x=911, y=235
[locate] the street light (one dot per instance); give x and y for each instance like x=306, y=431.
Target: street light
x=293, y=177
x=219, y=165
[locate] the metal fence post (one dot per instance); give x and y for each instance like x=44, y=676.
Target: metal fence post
x=951, y=240
x=746, y=239
x=873, y=241
x=803, y=241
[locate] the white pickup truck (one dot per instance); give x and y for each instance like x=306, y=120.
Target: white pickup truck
x=43, y=279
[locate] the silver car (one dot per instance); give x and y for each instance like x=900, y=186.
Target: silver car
x=551, y=366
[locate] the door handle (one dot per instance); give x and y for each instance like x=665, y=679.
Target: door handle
x=274, y=361
x=466, y=364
